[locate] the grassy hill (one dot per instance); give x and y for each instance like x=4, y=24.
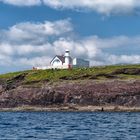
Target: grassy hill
x=98, y=86
x=94, y=73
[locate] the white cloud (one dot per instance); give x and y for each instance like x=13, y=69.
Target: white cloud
x=22, y=2
x=26, y=41
x=34, y=44
x=5, y=60
x=95, y=49
x=126, y=59
x=102, y=6
x=37, y=32
x=36, y=61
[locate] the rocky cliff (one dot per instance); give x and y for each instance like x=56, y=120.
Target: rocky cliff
x=88, y=92
x=109, y=92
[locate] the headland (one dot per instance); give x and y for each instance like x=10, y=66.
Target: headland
x=106, y=88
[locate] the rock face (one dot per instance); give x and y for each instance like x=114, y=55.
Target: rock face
x=88, y=92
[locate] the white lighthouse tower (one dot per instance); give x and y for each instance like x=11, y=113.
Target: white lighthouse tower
x=67, y=59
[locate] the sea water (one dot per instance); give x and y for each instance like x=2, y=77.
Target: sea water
x=69, y=126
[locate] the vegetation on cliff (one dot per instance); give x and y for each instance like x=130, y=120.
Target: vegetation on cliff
x=97, y=86
x=97, y=73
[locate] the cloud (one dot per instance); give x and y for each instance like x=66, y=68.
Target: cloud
x=31, y=41
x=36, y=33
x=22, y=2
x=101, y=6
x=35, y=44
x=97, y=49
x=132, y=59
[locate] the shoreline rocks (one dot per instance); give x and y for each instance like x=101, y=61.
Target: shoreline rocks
x=80, y=93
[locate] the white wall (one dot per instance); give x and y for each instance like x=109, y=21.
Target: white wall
x=77, y=62
x=56, y=62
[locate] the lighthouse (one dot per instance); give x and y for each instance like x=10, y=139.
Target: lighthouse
x=67, y=57
x=65, y=62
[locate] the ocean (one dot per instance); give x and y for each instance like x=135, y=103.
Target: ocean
x=70, y=125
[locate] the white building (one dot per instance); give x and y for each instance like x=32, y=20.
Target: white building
x=62, y=62
x=78, y=62
x=65, y=62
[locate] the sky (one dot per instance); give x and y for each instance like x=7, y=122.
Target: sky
x=32, y=32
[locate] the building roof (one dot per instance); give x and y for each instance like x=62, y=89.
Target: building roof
x=61, y=58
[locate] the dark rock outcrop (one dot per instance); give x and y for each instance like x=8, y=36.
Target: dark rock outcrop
x=129, y=71
x=14, y=82
x=88, y=92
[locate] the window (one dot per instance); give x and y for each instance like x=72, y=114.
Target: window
x=57, y=61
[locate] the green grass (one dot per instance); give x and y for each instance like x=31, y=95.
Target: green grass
x=9, y=75
x=55, y=75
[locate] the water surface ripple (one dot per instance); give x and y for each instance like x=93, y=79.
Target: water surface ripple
x=69, y=126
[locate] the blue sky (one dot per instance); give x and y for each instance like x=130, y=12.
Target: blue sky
x=103, y=32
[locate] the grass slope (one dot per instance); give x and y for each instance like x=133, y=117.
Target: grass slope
x=73, y=74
